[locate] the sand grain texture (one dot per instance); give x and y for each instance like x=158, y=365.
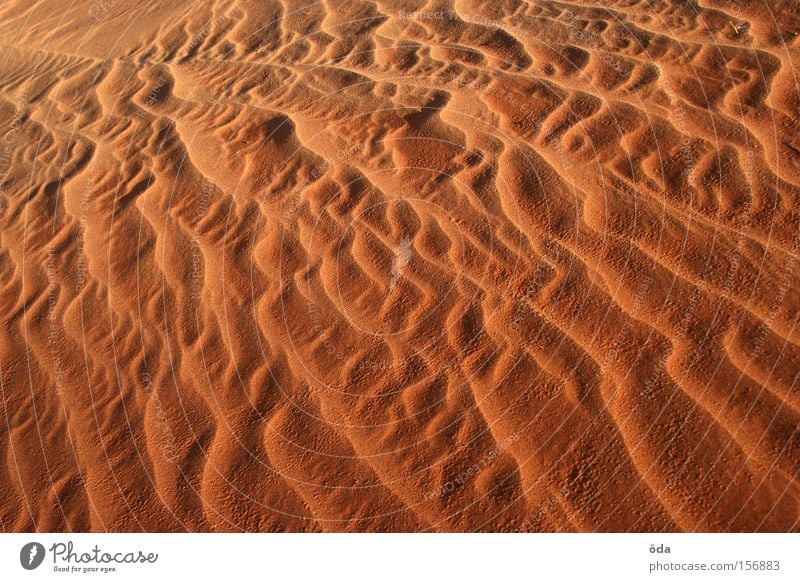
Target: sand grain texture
x=399, y=266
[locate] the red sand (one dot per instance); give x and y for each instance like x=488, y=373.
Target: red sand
x=381, y=266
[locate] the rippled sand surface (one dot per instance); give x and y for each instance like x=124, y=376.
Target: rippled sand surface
x=399, y=266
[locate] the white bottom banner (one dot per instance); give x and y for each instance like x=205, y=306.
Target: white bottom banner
x=390, y=557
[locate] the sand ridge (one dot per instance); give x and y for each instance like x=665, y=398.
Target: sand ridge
x=399, y=266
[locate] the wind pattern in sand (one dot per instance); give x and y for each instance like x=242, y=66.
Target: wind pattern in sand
x=399, y=266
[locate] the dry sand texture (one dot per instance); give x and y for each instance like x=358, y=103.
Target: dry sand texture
x=380, y=265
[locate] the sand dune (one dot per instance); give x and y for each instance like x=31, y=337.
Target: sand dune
x=400, y=266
